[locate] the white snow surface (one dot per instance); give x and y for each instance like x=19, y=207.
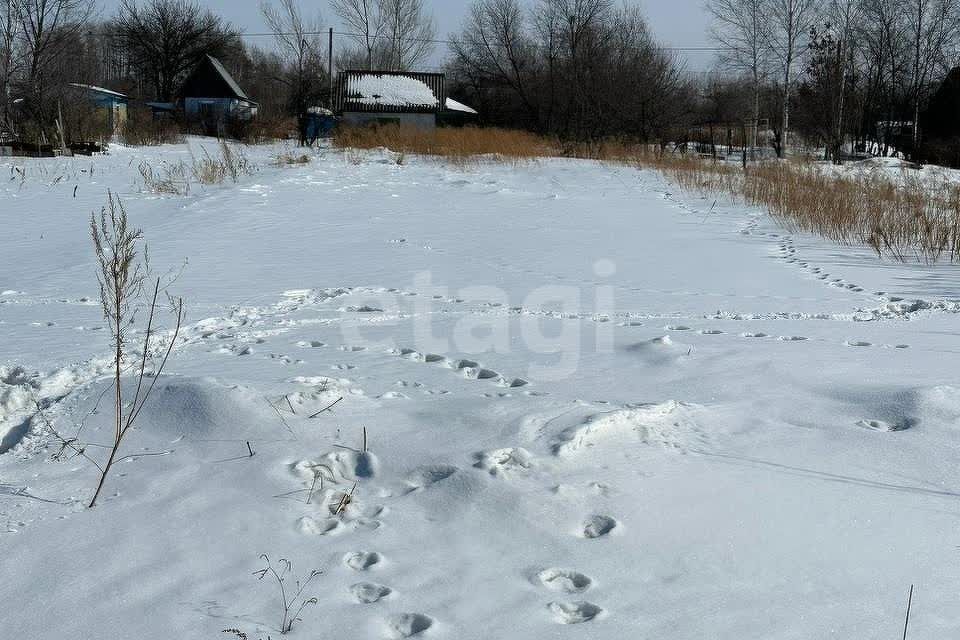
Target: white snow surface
x=595, y=408
x=390, y=90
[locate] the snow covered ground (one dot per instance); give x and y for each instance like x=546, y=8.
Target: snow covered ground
x=595, y=408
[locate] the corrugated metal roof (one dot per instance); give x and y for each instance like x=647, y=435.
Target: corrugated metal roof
x=390, y=92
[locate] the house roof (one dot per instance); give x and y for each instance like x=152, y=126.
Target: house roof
x=391, y=92
x=210, y=79
x=453, y=105
x=95, y=89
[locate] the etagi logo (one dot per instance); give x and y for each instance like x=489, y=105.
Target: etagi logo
x=545, y=328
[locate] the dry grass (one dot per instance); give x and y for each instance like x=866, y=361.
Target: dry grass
x=140, y=129
x=460, y=146
x=288, y=159
x=175, y=178
x=905, y=219
x=215, y=169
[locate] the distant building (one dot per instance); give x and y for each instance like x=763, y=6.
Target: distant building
x=212, y=99
x=390, y=97
x=111, y=104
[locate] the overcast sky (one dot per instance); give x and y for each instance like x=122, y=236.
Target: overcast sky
x=678, y=23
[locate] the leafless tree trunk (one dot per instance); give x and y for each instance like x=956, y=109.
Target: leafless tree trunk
x=411, y=31
x=494, y=46
x=845, y=16
x=934, y=27
x=299, y=45
x=790, y=24
x=365, y=21
x=166, y=38
x=9, y=60
x=740, y=27
x=45, y=27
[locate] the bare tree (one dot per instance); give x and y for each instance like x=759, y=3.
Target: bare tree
x=411, y=32
x=933, y=28
x=9, y=59
x=741, y=29
x=845, y=15
x=166, y=38
x=300, y=46
x=494, y=47
x=365, y=21
x=46, y=26
x=790, y=23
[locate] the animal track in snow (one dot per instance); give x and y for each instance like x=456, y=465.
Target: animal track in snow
x=368, y=592
x=792, y=338
x=423, y=477
x=504, y=462
x=310, y=526
x=564, y=580
x=598, y=526
x=362, y=560
x=858, y=343
x=574, y=612
x=882, y=425
x=407, y=625
x=469, y=369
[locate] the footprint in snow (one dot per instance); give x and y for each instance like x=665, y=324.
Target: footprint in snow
x=598, y=526
x=792, y=338
x=858, y=343
x=564, y=580
x=503, y=462
x=888, y=427
x=368, y=592
x=423, y=477
x=362, y=560
x=574, y=612
x=408, y=625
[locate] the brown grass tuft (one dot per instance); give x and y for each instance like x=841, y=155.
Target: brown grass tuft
x=461, y=146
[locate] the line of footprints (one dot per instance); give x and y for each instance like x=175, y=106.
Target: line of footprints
x=563, y=581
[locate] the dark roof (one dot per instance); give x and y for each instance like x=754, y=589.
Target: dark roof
x=390, y=92
x=210, y=79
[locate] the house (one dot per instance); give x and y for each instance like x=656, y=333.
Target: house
x=390, y=97
x=457, y=114
x=212, y=99
x=111, y=104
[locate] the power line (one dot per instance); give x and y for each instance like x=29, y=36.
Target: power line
x=326, y=32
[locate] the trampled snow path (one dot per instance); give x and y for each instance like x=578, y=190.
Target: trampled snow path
x=594, y=407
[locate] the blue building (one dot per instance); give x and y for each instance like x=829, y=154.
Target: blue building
x=111, y=104
x=212, y=99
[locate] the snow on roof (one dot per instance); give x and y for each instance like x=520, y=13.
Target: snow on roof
x=238, y=92
x=453, y=105
x=90, y=87
x=390, y=90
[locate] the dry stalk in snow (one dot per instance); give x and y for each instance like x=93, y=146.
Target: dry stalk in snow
x=122, y=274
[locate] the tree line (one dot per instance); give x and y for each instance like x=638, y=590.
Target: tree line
x=840, y=76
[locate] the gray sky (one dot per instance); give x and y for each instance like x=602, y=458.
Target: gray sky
x=678, y=23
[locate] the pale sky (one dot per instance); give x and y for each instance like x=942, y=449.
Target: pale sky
x=676, y=23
